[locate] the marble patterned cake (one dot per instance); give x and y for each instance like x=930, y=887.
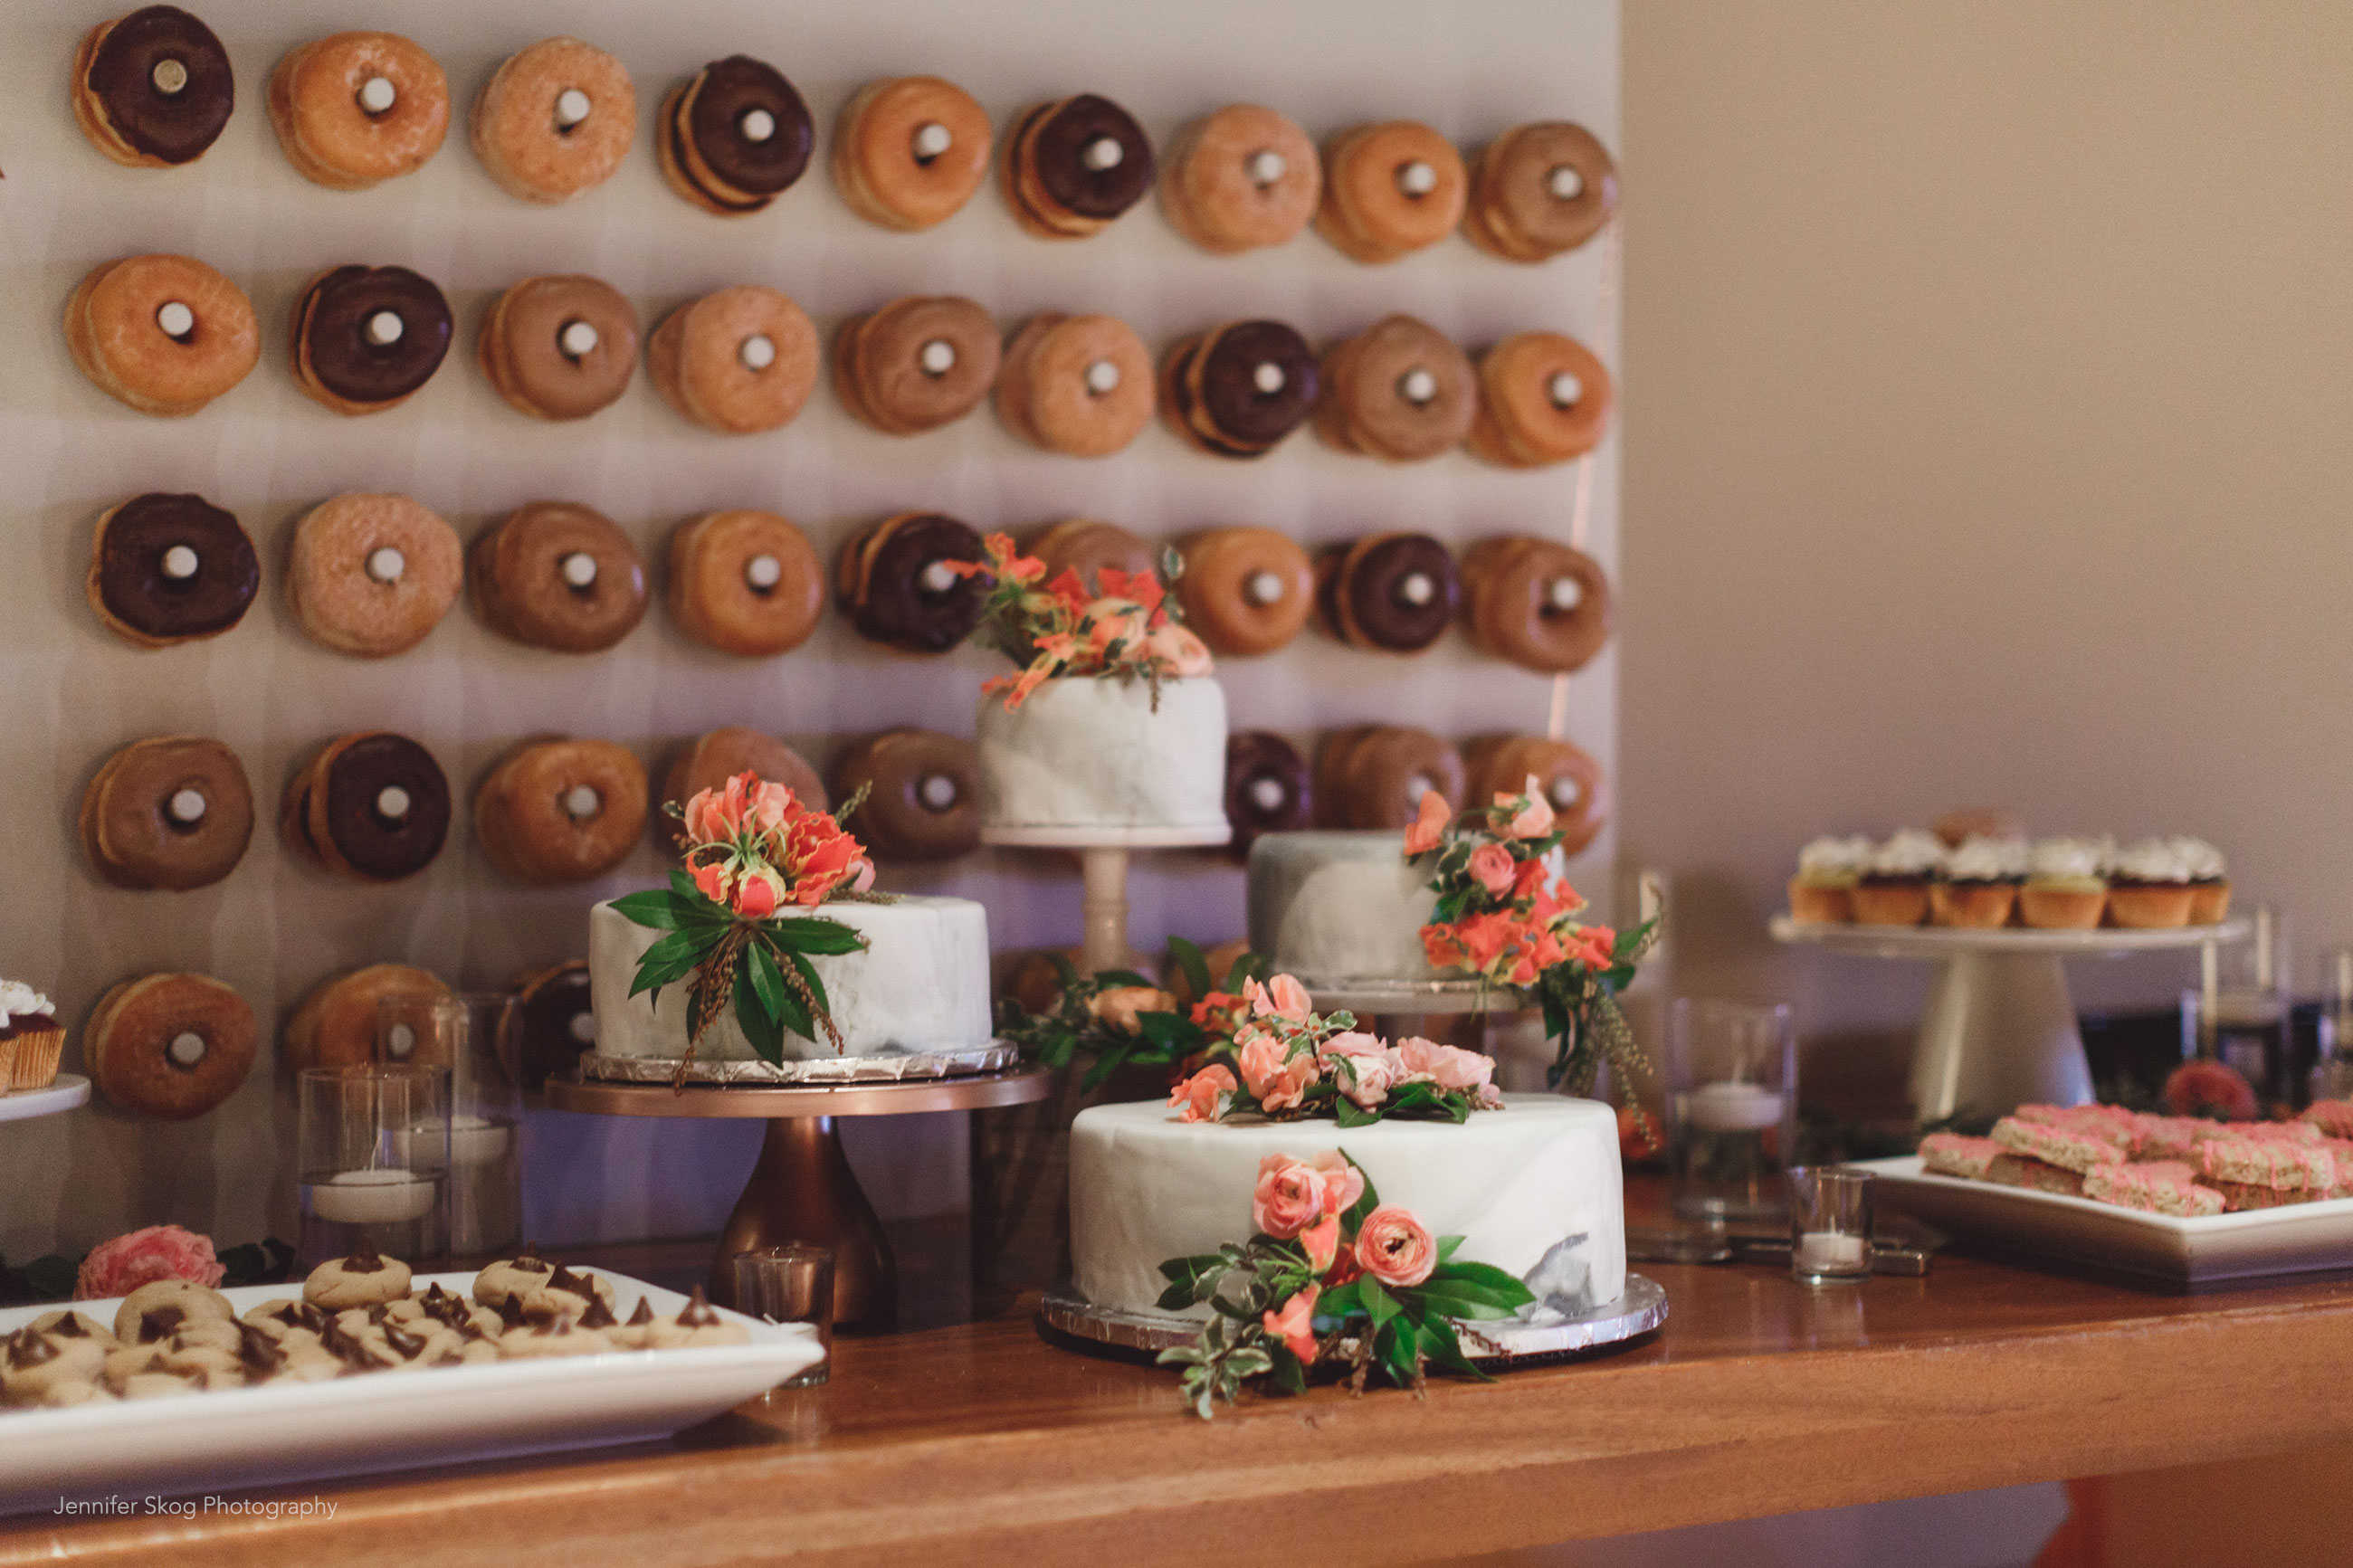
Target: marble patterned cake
x=1339, y=909
x=1085, y=755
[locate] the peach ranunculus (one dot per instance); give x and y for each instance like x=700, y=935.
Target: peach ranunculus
x=1430, y=817
x=1394, y=1247
x=1343, y=1183
x=1535, y=819
x=1360, y=1065
x=1276, y=1076
x=1295, y=1325
x=1492, y=867
x=1181, y=650
x=1202, y=1096
x=118, y=1267
x=1448, y=1067
x=1289, y=1196
x=1118, y=1006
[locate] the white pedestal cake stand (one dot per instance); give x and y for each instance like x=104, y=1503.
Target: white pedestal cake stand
x=1103, y=855
x=2001, y=1027
x=69, y=1091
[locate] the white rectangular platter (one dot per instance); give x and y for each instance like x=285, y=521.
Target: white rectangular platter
x=2302, y=1239
x=249, y=1438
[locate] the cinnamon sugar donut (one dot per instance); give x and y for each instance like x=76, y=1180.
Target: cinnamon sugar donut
x=924, y=794
x=1400, y=390
x=167, y=569
x=915, y=364
x=169, y=1046
x=1073, y=166
x=555, y=119
x=909, y=151
x=1239, y=390
x=557, y=575
x=734, y=136
x=711, y=759
x=1080, y=385
x=1567, y=776
x=166, y=334
x=1392, y=593
x=355, y=109
x=367, y=337
x=1536, y=601
x=371, y=805
x=174, y=811
x=744, y=582
x=1240, y=178
x=562, y=810
x=1245, y=591
x=891, y=582
x=334, y=1026
x=1268, y=789
x=371, y=575
x=1085, y=546
x=154, y=89
x=738, y=362
x=1539, y=190
x=559, y=347
x=1543, y=398
x=1390, y=189
x=1374, y=776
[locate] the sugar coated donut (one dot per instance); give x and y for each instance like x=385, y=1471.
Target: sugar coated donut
x=1400, y=390
x=711, y=759
x=371, y=805
x=1074, y=165
x=555, y=119
x=1392, y=593
x=1568, y=777
x=1080, y=385
x=744, y=582
x=1237, y=390
x=923, y=799
x=1536, y=601
x=166, y=334
x=1085, y=546
x=174, y=811
x=1374, y=776
x=1246, y=590
x=357, y=108
x=891, y=582
x=167, y=569
x=1543, y=398
x=734, y=136
x=1267, y=788
x=1539, y=190
x=366, y=338
x=562, y=810
x=1389, y=190
x=915, y=364
x=371, y=575
x=152, y=89
x=909, y=151
x=557, y=575
x=738, y=362
x=169, y=1046
x=559, y=347
x=553, y=1022
x=334, y=1026
x=1240, y=178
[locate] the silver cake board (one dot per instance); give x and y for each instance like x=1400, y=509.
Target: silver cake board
x=1372, y=998
x=1509, y=1342
x=894, y=1068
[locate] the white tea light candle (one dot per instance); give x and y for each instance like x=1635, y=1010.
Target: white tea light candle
x=371, y=1198
x=1732, y=1107
x=1831, y=1252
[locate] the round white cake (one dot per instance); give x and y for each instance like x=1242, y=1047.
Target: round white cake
x=922, y=984
x=1337, y=909
x=1086, y=756
x=1534, y=1189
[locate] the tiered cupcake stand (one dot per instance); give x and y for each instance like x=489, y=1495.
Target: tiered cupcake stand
x=69, y=1091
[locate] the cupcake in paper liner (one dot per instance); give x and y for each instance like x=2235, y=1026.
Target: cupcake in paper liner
x=31, y=1039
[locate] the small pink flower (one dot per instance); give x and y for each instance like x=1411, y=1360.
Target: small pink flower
x=1261, y=1060
x=118, y=1267
x=1289, y=1197
x=1202, y=1096
x=1281, y=996
x=861, y=877
x=1448, y=1067
x=1394, y=1247
x=1176, y=647
x=1295, y=1325
x=769, y=805
x=1360, y=1065
x=1492, y=867
x=1534, y=819
x=1428, y=824
x=1343, y=1183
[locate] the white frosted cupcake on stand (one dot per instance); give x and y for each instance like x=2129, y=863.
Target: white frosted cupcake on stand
x=1894, y=887
x=2151, y=887
x=2065, y=888
x=1977, y=887
x=1822, y=892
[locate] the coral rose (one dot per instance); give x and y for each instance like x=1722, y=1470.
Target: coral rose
x=1281, y=996
x=1534, y=818
x=1492, y=867
x=118, y=1267
x=1118, y=1007
x=1202, y=1096
x=1428, y=824
x=1295, y=1325
x=1448, y=1067
x=1360, y=1065
x=1289, y=1197
x=1394, y=1247
x=1276, y=1078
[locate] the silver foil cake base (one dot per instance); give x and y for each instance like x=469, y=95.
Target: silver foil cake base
x=896, y=1066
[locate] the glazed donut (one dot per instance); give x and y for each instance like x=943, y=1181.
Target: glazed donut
x=890, y=583
x=371, y=805
x=1389, y=190
x=1568, y=777
x=1374, y=776
x=167, y=569
x=1536, y=601
x=1267, y=786
x=152, y=89
x=559, y=347
x=555, y=119
x=734, y=136
x=745, y=582
x=371, y=575
x=1245, y=590
x=336, y=1025
x=1392, y=593
x=916, y=363
x=366, y=338
x=172, y=812
x=357, y=108
x=1240, y=178
x=713, y=758
x=923, y=799
x=562, y=810
x=1080, y=385
x=559, y=575
x=169, y=1046
x=1074, y=165
x=166, y=334
x=1543, y=398
x=1539, y=190
x=1400, y=390
x=1236, y=391
x=1085, y=546
x=738, y=362
x=909, y=151
x=555, y=1025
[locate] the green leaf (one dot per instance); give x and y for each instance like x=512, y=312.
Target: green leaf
x=1248, y=966
x=810, y=934
x=1107, y=978
x=1354, y=1218
x=1192, y=963
x=1379, y=1305
x=1436, y=1341
x=663, y=909
x=1290, y=1374
x=1396, y=1344
x=1191, y=1280
x=759, y=1025
x=1170, y=1032
x=674, y=957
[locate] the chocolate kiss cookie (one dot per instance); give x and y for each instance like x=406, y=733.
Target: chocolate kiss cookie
x=374, y=805
x=1267, y=788
x=366, y=337
x=168, y=568
x=153, y=88
x=735, y=136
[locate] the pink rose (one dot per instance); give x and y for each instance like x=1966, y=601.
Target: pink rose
x=1534, y=819
x=1176, y=647
x=1116, y=1006
x=118, y=1267
x=1343, y=1183
x=1281, y=996
x=1360, y=1065
x=1448, y=1067
x=1492, y=867
x=1394, y=1247
x=1295, y=1325
x=1277, y=1078
x=769, y=805
x=1202, y=1096
x=1289, y=1197
x=1428, y=824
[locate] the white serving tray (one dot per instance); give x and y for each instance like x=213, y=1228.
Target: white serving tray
x=2300, y=1238
x=69, y=1091
x=268, y=1437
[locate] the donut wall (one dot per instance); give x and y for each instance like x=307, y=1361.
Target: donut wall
x=270, y=451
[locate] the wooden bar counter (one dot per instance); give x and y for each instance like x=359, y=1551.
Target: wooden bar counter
x=981, y=1442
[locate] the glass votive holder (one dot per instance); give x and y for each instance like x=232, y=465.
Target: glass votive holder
x=373, y=1155
x=1830, y=1225
x=473, y=1037
x=1731, y=1080
x=790, y=1283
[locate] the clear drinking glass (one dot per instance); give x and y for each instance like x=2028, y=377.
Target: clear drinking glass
x=373, y=1157
x=1830, y=1225
x=1731, y=1074
x=475, y=1038
x=790, y=1283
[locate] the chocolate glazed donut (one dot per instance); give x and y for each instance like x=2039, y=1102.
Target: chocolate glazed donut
x=1237, y=390
x=158, y=88
x=553, y=1022
x=375, y=806
x=924, y=794
x=366, y=337
x=1076, y=165
x=1267, y=786
x=738, y=135
x=168, y=568
x=892, y=582
x=1394, y=592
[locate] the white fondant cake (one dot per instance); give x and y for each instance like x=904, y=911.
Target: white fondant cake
x=1339, y=908
x=922, y=984
x=1534, y=1189
x=1086, y=755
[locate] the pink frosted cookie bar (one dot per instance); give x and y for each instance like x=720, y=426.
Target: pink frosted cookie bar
x=2307, y=1170
x=2023, y=1170
x=2239, y=1196
x=2333, y=1116
x=1954, y=1154
x=2174, y=1137
x=2160, y=1186
x=2077, y=1144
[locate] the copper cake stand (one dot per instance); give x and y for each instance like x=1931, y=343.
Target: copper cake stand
x=802, y=1188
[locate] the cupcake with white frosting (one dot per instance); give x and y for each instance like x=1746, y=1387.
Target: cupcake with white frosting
x=2149, y=889
x=2209, y=880
x=31, y=1039
x=1978, y=887
x=1822, y=892
x=1894, y=887
x=2066, y=889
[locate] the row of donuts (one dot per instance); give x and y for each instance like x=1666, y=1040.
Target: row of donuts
x=154, y=89
x=372, y=574
x=166, y=334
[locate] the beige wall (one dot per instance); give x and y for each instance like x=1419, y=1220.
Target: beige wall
x=1990, y=405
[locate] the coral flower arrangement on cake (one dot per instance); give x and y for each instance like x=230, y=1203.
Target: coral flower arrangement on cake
x=756, y=857
x=1054, y=629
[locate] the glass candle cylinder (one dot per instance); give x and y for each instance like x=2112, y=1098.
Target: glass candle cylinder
x=1731, y=1074
x=476, y=1038
x=1830, y=1225
x=373, y=1158
x=790, y=1283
